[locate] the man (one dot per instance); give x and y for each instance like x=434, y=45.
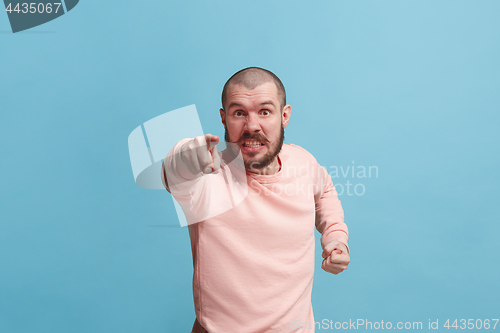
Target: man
x=254, y=263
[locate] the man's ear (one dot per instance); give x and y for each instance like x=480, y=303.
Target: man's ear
x=285, y=115
x=223, y=116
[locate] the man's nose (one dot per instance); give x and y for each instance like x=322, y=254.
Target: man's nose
x=252, y=123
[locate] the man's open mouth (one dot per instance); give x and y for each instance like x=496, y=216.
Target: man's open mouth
x=252, y=143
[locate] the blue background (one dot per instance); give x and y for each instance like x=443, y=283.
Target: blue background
x=408, y=86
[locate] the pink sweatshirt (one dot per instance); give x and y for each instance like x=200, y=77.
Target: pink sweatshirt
x=254, y=263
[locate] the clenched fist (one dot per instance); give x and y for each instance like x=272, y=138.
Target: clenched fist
x=199, y=155
x=336, y=257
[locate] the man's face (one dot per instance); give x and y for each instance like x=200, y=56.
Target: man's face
x=255, y=122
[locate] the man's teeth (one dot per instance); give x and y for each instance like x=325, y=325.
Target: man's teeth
x=252, y=144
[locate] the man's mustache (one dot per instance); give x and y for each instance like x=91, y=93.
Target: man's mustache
x=255, y=137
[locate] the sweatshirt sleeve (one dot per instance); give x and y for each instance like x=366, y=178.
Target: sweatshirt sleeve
x=329, y=212
x=170, y=175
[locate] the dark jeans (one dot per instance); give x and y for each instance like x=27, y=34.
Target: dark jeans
x=197, y=328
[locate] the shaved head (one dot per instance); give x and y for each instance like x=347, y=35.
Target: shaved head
x=252, y=77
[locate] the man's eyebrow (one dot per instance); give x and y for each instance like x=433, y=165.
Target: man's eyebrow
x=241, y=105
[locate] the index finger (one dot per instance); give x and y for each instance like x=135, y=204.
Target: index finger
x=334, y=245
x=329, y=248
x=212, y=140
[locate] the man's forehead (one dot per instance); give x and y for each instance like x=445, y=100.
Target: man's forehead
x=265, y=93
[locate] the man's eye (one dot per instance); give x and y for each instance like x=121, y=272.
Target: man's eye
x=265, y=112
x=238, y=113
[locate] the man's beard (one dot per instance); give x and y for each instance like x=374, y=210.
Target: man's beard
x=266, y=159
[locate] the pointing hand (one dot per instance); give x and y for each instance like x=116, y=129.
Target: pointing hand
x=200, y=155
